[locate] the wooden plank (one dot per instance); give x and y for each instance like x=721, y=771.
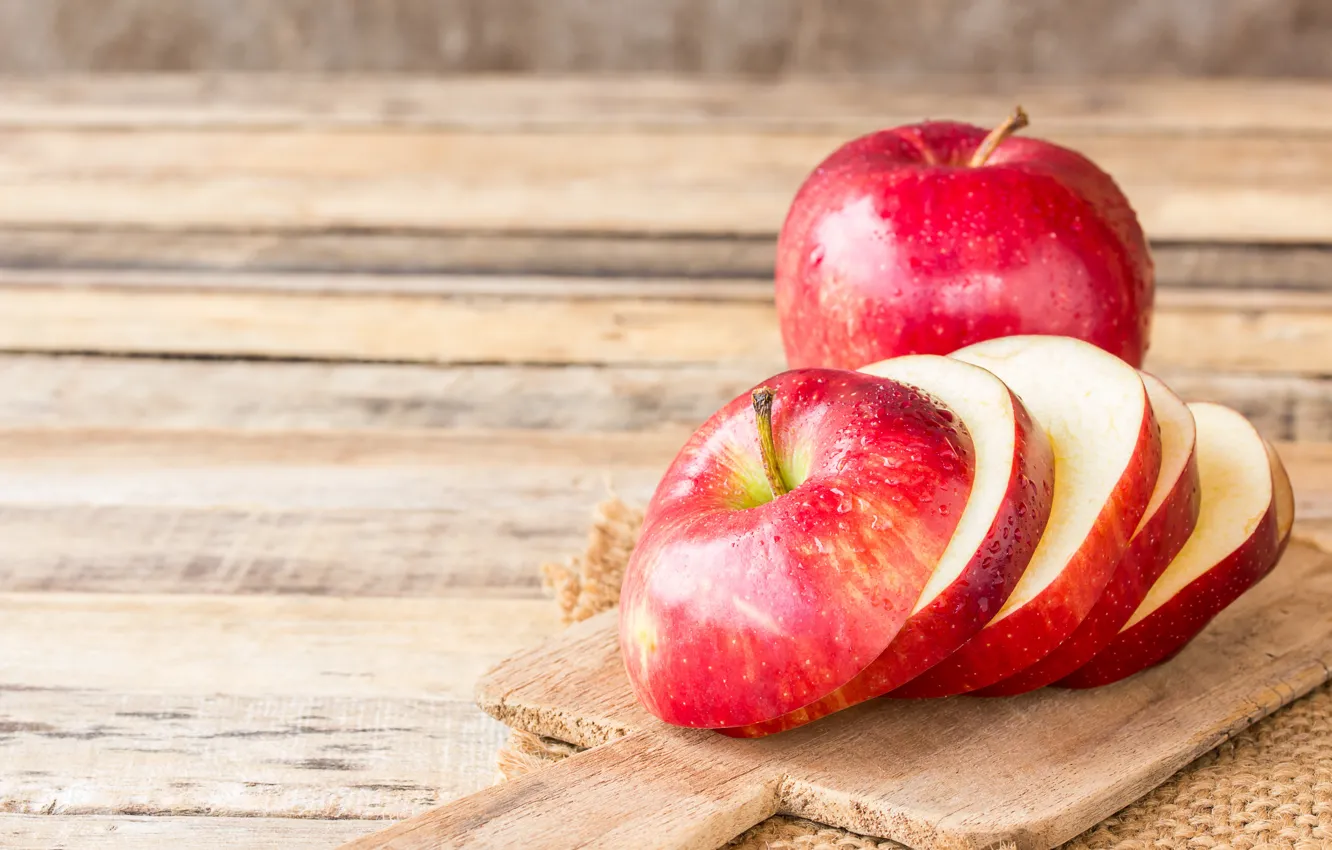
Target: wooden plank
x=114, y=393
x=1253, y=332
x=1256, y=187
x=266, y=647
x=444, y=472
x=80, y=752
x=483, y=102
x=349, y=282
x=1310, y=468
x=376, y=512
x=1035, y=770
x=351, y=260
x=453, y=262
x=1252, y=340
x=389, y=470
x=1316, y=533
x=403, y=328
x=109, y=392
x=124, y=832
x=260, y=705
x=1281, y=407
x=772, y=38
x=648, y=790
x=1256, y=267
x=266, y=549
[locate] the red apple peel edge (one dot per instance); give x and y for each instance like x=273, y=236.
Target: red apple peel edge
x=1012, y=490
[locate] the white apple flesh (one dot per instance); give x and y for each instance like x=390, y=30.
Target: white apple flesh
x=1245, y=500
x=1171, y=517
x=1107, y=447
x=1283, y=494
x=995, y=537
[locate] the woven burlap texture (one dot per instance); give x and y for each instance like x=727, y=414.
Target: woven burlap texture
x=1269, y=787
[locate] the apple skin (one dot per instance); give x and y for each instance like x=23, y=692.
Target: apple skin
x=894, y=245
x=962, y=608
x=1038, y=627
x=736, y=607
x=1162, y=634
x=1154, y=545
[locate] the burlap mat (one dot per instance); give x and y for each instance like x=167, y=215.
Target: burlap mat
x=1269, y=787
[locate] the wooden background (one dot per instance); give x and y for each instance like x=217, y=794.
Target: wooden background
x=302, y=378
x=1086, y=39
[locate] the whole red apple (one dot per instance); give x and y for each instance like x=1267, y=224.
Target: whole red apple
x=788, y=543
x=930, y=237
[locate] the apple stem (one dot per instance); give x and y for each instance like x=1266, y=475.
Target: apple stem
x=763, y=397
x=1011, y=125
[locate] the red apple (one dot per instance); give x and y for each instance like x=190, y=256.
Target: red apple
x=1107, y=449
x=989, y=550
x=785, y=547
x=1236, y=543
x=1170, y=518
x=929, y=237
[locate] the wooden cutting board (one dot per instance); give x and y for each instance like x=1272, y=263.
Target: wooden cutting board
x=964, y=772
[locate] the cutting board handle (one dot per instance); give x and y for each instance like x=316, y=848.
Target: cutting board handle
x=678, y=789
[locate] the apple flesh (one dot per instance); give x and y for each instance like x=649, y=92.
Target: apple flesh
x=1283, y=495
x=743, y=601
x=1237, y=541
x=898, y=244
x=1107, y=449
x=990, y=548
x=1171, y=516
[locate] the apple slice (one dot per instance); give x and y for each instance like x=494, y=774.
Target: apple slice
x=1234, y=545
x=1170, y=519
x=1107, y=449
x=1284, y=496
x=995, y=537
x=787, y=544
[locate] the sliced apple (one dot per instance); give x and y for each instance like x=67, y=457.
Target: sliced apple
x=787, y=544
x=1170, y=519
x=1245, y=498
x=1283, y=494
x=995, y=537
x=1107, y=449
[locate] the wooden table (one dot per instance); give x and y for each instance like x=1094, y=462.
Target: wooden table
x=303, y=378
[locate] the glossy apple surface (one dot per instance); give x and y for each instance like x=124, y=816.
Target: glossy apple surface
x=1170, y=519
x=1236, y=542
x=991, y=546
x=1107, y=448
x=738, y=607
x=896, y=245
